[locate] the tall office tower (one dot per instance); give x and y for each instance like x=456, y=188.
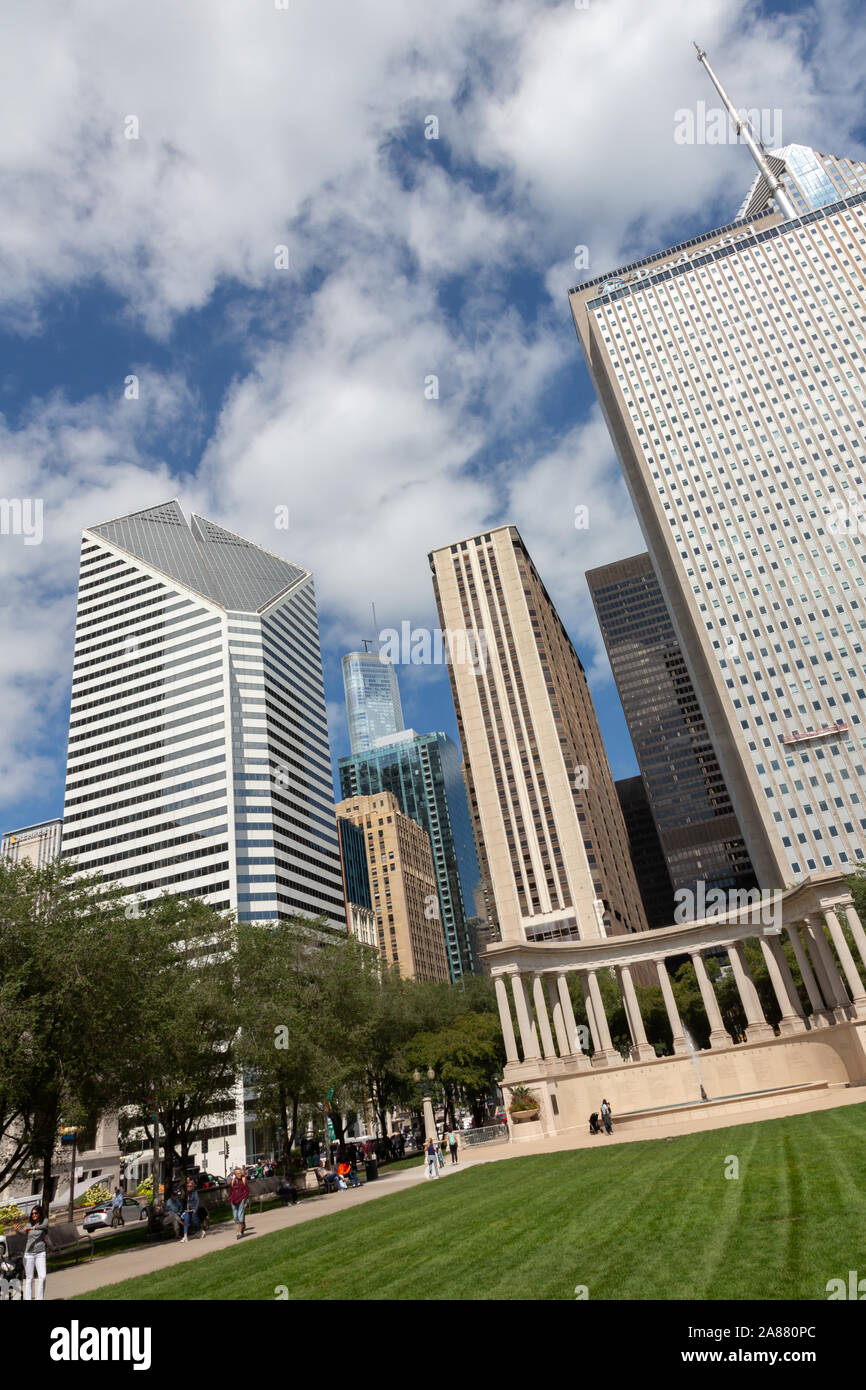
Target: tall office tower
x=373, y=704
x=550, y=822
x=424, y=773
x=198, y=756
x=403, y=885
x=647, y=855
x=38, y=844
x=731, y=369
x=360, y=917
x=689, y=801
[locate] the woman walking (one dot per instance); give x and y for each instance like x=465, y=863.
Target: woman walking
x=432, y=1159
x=239, y=1195
x=34, y=1254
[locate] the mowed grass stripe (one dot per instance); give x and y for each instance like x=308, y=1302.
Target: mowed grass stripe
x=656, y=1219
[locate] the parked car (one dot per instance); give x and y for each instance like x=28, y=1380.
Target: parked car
x=99, y=1216
x=207, y=1181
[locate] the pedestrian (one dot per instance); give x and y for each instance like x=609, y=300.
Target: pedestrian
x=239, y=1195
x=117, y=1208
x=452, y=1145
x=35, y=1250
x=606, y=1117
x=432, y=1159
x=191, y=1212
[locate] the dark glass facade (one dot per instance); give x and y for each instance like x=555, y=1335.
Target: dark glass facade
x=354, y=856
x=699, y=833
x=647, y=855
x=423, y=771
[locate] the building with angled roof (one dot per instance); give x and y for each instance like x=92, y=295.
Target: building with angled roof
x=199, y=760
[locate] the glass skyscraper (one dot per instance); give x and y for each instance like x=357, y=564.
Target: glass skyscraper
x=373, y=704
x=732, y=373
x=690, y=804
x=423, y=771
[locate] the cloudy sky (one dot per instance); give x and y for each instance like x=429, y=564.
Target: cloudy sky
x=153, y=156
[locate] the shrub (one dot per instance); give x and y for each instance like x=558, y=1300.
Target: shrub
x=94, y=1194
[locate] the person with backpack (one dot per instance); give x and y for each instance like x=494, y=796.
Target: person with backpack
x=239, y=1195
x=35, y=1251
x=452, y=1145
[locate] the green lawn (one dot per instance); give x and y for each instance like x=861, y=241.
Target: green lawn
x=632, y=1221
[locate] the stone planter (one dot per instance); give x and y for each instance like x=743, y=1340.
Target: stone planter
x=519, y=1116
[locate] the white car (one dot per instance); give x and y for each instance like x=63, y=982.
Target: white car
x=99, y=1216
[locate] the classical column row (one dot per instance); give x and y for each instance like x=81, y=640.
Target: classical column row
x=547, y=1028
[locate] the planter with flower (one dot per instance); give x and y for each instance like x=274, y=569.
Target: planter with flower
x=523, y=1105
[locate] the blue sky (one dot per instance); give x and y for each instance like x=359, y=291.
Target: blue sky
x=408, y=257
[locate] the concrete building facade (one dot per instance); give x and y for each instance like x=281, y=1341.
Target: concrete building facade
x=402, y=885
x=550, y=824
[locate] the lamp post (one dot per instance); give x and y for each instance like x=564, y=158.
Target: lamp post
x=430, y=1131
x=68, y=1135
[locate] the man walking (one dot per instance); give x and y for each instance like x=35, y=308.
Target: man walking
x=117, y=1208
x=606, y=1117
x=239, y=1195
x=452, y=1145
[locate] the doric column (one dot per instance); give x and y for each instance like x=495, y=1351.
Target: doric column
x=825, y=968
x=540, y=1003
x=505, y=1023
x=641, y=1049
x=843, y=950
x=677, y=1033
x=792, y=1020
x=757, y=1026
x=575, y=1046
x=605, y=1052
x=819, y=1017
x=719, y=1035
x=528, y=1035
x=856, y=926
x=555, y=1003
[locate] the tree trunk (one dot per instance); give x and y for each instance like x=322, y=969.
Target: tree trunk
x=284, y=1121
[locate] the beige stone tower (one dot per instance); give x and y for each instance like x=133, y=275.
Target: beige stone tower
x=402, y=884
x=540, y=786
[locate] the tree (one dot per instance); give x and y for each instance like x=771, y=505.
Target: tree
x=184, y=1066
x=68, y=1004
x=278, y=993
x=467, y=1056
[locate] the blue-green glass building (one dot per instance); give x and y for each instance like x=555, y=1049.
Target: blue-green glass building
x=424, y=773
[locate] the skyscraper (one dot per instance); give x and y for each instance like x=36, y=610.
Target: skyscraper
x=403, y=885
x=373, y=706
x=550, y=821
x=731, y=369
x=645, y=850
x=424, y=773
x=198, y=756
x=689, y=801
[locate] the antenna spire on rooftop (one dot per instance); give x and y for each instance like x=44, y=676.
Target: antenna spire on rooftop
x=751, y=140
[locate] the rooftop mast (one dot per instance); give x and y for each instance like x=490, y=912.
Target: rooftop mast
x=752, y=142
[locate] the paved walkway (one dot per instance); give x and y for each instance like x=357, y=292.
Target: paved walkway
x=152, y=1256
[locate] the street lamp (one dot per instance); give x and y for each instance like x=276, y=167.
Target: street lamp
x=430, y=1131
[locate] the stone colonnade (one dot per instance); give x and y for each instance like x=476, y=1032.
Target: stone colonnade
x=547, y=1031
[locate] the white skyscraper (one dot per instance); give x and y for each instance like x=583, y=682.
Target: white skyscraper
x=732, y=373
x=198, y=755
